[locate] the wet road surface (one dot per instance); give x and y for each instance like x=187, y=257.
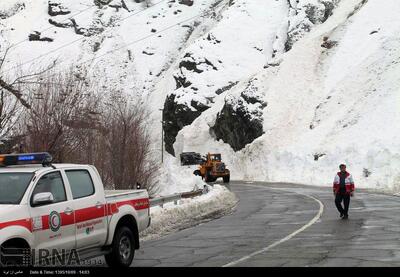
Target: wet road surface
x=286, y=225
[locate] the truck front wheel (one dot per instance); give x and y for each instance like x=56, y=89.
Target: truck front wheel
x=123, y=248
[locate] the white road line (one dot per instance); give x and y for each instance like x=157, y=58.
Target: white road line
x=312, y=221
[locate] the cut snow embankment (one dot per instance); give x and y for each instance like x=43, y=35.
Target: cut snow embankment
x=174, y=178
x=189, y=212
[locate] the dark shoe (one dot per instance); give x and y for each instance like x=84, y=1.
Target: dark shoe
x=346, y=216
x=341, y=215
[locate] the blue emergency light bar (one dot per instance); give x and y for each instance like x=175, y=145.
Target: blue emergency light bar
x=43, y=158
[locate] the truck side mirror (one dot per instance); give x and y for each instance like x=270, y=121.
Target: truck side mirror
x=43, y=198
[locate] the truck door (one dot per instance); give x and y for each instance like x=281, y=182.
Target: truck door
x=53, y=223
x=90, y=208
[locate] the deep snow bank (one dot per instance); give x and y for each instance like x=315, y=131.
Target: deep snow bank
x=175, y=178
x=189, y=212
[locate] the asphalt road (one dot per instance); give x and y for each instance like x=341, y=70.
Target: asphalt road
x=286, y=225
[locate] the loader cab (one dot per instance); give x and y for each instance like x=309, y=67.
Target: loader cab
x=215, y=157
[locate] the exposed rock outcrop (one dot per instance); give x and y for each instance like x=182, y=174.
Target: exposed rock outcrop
x=55, y=8
x=304, y=15
x=179, y=113
x=87, y=32
x=186, y=2
x=240, y=120
x=226, y=88
x=36, y=36
x=67, y=24
x=176, y=116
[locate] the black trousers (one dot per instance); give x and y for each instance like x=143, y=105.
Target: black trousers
x=338, y=202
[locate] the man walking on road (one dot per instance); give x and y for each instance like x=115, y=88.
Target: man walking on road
x=343, y=189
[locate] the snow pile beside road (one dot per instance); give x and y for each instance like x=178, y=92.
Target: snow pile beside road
x=175, y=178
x=189, y=212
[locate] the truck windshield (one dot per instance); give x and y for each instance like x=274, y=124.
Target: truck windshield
x=13, y=186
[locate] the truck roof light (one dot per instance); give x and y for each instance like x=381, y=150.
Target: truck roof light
x=43, y=158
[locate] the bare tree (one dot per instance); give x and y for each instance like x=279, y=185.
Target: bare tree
x=60, y=109
x=77, y=121
x=12, y=98
x=67, y=114
x=20, y=79
x=9, y=113
x=128, y=144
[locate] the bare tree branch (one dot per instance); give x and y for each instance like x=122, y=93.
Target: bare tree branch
x=16, y=87
x=4, y=57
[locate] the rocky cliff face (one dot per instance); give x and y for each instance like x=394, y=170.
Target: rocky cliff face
x=205, y=72
x=176, y=116
x=240, y=120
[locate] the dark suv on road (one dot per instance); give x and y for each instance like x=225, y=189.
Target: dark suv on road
x=191, y=158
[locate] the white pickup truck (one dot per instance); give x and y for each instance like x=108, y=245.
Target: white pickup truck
x=64, y=207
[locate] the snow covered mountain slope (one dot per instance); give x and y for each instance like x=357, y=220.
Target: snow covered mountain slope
x=285, y=89
x=333, y=99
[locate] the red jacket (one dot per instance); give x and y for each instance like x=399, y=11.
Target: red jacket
x=349, y=183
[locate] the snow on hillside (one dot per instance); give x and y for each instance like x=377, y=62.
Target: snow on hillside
x=97, y=31
x=333, y=99
x=285, y=90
